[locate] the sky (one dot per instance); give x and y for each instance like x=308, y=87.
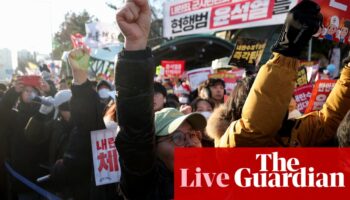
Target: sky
x=31, y=24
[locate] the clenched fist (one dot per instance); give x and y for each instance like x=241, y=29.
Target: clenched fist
x=79, y=61
x=134, y=21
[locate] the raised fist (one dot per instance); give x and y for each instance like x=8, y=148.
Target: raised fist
x=134, y=21
x=303, y=21
x=79, y=61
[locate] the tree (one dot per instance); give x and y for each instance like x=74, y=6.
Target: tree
x=156, y=35
x=73, y=23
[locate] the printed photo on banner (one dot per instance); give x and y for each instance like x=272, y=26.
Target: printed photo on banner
x=105, y=157
x=247, y=53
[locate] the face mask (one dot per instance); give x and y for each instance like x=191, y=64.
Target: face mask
x=104, y=93
x=206, y=114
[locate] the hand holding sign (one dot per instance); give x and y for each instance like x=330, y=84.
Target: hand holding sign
x=134, y=20
x=79, y=61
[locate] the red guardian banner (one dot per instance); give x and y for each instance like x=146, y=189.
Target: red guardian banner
x=262, y=173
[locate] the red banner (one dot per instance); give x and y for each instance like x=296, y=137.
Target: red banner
x=77, y=40
x=262, y=173
x=173, y=68
x=302, y=96
x=240, y=12
x=319, y=94
x=336, y=22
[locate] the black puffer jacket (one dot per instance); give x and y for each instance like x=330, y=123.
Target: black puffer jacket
x=76, y=167
x=143, y=175
x=24, y=156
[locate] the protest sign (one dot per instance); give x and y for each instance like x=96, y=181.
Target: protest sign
x=319, y=94
x=203, y=16
x=173, y=68
x=99, y=34
x=247, y=53
x=302, y=77
x=197, y=76
x=302, y=96
x=105, y=157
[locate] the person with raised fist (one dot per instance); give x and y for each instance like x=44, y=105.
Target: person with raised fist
x=146, y=140
x=264, y=119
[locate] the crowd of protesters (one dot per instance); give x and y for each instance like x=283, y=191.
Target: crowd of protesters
x=38, y=138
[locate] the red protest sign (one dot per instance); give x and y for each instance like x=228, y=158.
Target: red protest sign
x=302, y=96
x=173, y=68
x=246, y=11
x=319, y=94
x=336, y=21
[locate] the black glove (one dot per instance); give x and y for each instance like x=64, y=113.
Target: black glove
x=303, y=21
x=346, y=60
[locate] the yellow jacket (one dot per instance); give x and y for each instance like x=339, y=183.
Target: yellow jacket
x=267, y=104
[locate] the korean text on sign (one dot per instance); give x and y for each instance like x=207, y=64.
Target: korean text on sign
x=247, y=11
x=105, y=157
x=319, y=94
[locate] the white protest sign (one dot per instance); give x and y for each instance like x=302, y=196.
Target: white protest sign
x=100, y=34
x=105, y=156
x=197, y=76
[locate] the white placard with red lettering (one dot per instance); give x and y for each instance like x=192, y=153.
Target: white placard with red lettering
x=105, y=157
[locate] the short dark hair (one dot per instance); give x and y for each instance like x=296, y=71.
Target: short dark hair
x=103, y=83
x=197, y=100
x=343, y=132
x=159, y=88
x=215, y=81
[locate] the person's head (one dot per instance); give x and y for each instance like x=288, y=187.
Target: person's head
x=61, y=102
x=174, y=129
x=63, y=85
x=28, y=93
x=172, y=101
x=159, y=98
x=343, y=132
x=216, y=89
x=332, y=29
x=203, y=106
x=231, y=110
x=3, y=87
x=103, y=89
x=203, y=92
x=237, y=98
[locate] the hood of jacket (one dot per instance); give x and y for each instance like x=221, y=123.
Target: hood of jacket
x=217, y=123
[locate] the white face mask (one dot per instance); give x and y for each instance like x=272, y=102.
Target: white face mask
x=206, y=114
x=104, y=93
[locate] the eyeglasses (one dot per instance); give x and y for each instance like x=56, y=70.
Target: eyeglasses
x=180, y=138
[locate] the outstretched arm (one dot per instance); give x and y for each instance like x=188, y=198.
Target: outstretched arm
x=134, y=84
